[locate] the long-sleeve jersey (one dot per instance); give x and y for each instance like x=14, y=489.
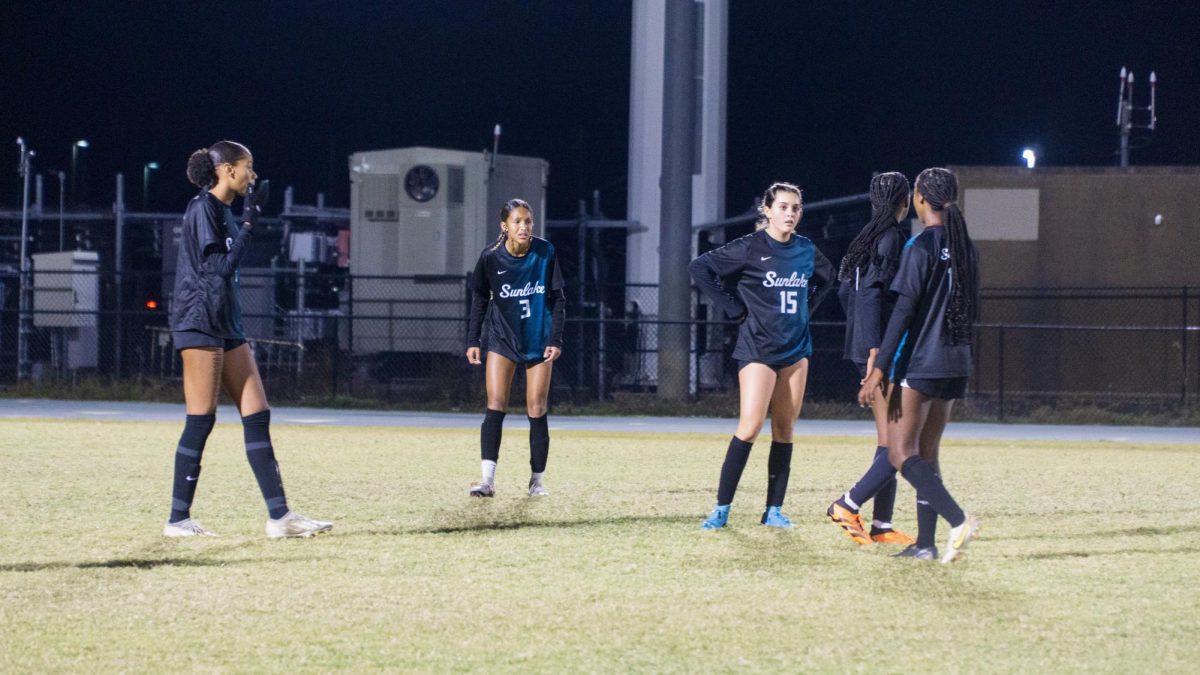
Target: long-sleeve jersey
x=207, y=295
x=526, y=294
x=768, y=283
x=915, y=344
x=866, y=297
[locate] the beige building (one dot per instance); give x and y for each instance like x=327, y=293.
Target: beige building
x=1116, y=248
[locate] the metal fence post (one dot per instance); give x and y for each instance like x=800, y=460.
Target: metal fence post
x=602, y=347
x=1183, y=348
x=1000, y=385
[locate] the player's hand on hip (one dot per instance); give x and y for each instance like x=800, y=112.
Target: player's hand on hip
x=551, y=353
x=473, y=356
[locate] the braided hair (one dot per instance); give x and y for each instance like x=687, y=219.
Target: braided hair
x=769, y=199
x=509, y=206
x=939, y=187
x=889, y=192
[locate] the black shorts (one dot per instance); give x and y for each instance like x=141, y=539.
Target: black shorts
x=773, y=366
x=190, y=339
x=945, y=388
x=497, y=347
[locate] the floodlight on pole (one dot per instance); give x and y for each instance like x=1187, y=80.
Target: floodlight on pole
x=1030, y=157
x=1125, y=113
x=146, y=169
x=81, y=143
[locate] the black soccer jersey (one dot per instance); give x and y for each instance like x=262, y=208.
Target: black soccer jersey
x=526, y=294
x=772, y=281
x=867, y=299
x=915, y=344
x=207, y=295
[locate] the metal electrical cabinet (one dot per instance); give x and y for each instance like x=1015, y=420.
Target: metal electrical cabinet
x=419, y=218
x=66, y=299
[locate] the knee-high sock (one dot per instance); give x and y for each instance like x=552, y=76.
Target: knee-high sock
x=875, y=480
x=489, y=435
x=731, y=470
x=259, y=451
x=539, y=443
x=926, y=523
x=779, y=469
x=885, y=498
x=187, y=464
x=929, y=485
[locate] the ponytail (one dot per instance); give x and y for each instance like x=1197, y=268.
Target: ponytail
x=202, y=165
x=939, y=187
x=889, y=191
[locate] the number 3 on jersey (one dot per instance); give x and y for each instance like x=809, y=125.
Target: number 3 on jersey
x=787, y=302
x=525, y=313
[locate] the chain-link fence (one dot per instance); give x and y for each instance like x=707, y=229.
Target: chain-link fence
x=400, y=341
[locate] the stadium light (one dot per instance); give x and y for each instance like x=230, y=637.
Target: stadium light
x=146, y=169
x=1030, y=157
x=81, y=143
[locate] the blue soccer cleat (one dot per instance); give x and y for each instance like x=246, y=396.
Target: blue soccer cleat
x=775, y=518
x=717, y=519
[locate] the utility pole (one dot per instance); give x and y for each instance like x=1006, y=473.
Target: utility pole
x=25, y=322
x=1126, y=109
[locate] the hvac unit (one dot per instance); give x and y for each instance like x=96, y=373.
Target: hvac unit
x=419, y=218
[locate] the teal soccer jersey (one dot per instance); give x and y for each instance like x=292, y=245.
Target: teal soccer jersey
x=526, y=298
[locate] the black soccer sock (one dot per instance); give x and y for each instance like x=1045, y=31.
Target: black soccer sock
x=885, y=499
x=489, y=435
x=257, y=432
x=877, y=477
x=929, y=485
x=779, y=469
x=731, y=470
x=539, y=443
x=926, y=523
x=187, y=464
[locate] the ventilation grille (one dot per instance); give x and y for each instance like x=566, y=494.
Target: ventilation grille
x=380, y=198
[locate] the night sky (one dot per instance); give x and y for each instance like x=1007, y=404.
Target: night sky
x=821, y=93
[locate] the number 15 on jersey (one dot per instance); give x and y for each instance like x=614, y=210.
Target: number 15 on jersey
x=787, y=302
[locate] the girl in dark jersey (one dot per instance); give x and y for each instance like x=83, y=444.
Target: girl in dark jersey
x=927, y=351
x=764, y=280
x=206, y=325
x=866, y=274
x=519, y=276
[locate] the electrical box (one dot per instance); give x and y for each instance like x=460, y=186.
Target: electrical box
x=66, y=299
x=419, y=217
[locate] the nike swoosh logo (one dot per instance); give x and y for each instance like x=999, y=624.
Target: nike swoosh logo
x=501, y=272
x=768, y=257
x=191, y=477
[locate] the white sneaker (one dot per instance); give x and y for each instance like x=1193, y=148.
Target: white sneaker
x=482, y=489
x=536, y=489
x=293, y=524
x=959, y=537
x=187, y=528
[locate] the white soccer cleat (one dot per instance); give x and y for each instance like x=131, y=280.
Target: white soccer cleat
x=293, y=524
x=959, y=538
x=187, y=528
x=483, y=489
x=537, y=489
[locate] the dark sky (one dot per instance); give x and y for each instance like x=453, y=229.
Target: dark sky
x=820, y=92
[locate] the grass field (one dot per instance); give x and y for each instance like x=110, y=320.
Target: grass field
x=1087, y=561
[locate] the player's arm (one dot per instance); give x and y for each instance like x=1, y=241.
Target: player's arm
x=217, y=259
x=909, y=282
x=557, y=298
x=822, y=276
x=481, y=294
x=874, y=284
x=709, y=271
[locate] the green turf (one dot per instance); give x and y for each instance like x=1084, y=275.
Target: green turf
x=1087, y=560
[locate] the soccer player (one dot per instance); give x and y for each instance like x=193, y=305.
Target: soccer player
x=519, y=275
x=206, y=325
x=927, y=351
x=865, y=275
x=763, y=280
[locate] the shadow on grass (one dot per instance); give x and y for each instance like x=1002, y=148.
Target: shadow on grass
x=517, y=519
x=1062, y=555
x=1106, y=534
x=134, y=563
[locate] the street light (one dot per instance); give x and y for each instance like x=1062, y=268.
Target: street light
x=1030, y=157
x=81, y=143
x=146, y=169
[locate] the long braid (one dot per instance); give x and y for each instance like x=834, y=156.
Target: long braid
x=889, y=191
x=939, y=187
